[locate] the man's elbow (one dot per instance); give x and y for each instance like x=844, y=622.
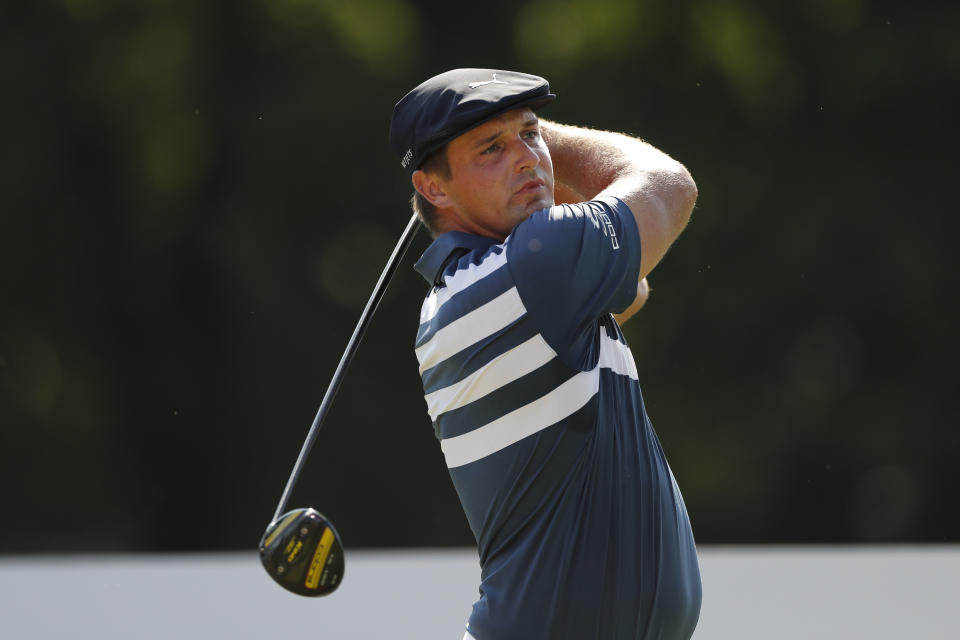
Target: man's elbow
x=679, y=194
x=686, y=192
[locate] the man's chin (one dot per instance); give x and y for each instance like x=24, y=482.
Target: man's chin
x=536, y=204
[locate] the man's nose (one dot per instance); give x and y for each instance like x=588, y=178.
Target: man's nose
x=527, y=156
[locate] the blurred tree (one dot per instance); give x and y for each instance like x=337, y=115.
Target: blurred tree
x=198, y=197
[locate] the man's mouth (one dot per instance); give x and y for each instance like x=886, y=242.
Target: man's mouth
x=531, y=187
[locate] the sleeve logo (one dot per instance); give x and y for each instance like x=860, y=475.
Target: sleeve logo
x=609, y=230
x=602, y=221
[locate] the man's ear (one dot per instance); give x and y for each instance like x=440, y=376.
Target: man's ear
x=430, y=187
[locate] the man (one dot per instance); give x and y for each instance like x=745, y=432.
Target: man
x=581, y=530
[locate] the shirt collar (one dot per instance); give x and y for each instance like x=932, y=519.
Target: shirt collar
x=434, y=259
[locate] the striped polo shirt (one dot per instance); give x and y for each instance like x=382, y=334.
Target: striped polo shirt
x=534, y=396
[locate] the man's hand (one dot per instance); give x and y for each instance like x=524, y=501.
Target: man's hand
x=643, y=292
x=565, y=194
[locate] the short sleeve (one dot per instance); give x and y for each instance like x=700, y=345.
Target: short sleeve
x=573, y=264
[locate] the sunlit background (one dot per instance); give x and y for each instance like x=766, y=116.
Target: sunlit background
x=196, y=199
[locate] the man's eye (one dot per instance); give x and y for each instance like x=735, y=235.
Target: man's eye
x=492, y=148
x=533, y=134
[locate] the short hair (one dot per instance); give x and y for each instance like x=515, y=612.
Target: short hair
x=436, y=162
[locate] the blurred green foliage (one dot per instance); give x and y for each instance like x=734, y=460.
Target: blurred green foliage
x=197, y=198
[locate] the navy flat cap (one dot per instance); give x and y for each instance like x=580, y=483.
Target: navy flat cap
x=452, y=103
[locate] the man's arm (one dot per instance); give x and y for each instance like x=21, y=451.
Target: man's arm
x=659, y=190
x=643, y=292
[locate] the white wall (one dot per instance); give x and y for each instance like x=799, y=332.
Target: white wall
x=762, y=593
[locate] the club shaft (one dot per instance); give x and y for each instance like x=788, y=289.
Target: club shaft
x=405, y=240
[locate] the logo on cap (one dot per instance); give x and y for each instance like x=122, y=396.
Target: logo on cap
x=407, y=157
x=474, y=85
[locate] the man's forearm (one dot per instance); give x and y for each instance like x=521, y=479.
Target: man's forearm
x=587, y=161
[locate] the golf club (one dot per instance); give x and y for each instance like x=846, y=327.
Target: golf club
x=300, y=549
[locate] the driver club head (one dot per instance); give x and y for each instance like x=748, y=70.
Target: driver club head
x=303, y=553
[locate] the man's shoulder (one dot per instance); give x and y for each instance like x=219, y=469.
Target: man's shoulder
x=568, y=221
x=553, y=240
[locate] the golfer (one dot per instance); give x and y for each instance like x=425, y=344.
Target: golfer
x=542, y=232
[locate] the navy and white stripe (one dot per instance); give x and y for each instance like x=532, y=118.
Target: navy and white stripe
x=460, y=281
x=449, y=330
x=540, y=413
